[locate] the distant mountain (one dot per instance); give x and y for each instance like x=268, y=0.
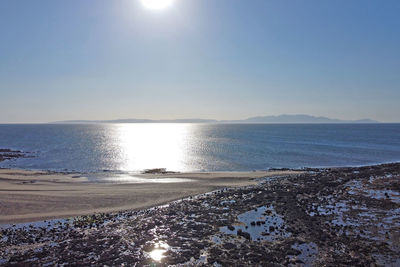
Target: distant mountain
x=261, y=119
x=302, y=119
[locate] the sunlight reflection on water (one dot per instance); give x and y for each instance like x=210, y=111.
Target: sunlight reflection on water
x=146, y=146
x=133, y=147
x=133, y=179
x=157, y=254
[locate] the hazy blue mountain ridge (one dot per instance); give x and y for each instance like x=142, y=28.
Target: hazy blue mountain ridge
x=301, y=118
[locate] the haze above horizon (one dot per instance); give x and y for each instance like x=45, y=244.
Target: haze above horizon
x=227, y=59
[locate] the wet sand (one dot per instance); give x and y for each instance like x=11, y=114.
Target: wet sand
x=27, y=196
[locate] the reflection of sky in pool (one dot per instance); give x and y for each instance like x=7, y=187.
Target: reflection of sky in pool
x=262, y=224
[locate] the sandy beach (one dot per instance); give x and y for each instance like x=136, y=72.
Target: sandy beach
x=27, y=196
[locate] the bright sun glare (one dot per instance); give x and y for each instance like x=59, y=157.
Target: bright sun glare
x=156, y=4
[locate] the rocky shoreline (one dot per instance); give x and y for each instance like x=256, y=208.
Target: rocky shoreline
x=331, y=217
x=9, y=154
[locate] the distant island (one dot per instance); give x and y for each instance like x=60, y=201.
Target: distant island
x=261, y=119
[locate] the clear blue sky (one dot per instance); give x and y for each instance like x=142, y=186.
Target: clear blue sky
x=222, y=59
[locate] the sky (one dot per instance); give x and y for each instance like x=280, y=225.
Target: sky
x=211, y=59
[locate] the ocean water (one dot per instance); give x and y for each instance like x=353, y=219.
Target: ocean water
x=199, y=147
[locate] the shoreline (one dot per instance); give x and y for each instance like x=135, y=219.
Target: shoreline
x=28, y=196
x=300, y=168
x=142, y=172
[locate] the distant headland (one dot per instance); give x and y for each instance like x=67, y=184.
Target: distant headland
x=299, y=118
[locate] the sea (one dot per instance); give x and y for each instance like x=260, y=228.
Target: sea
x=119, y=148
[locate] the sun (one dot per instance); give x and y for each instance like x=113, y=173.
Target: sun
x=156, y=4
